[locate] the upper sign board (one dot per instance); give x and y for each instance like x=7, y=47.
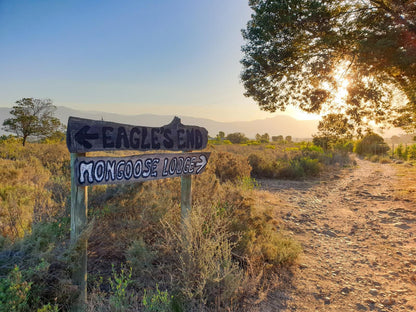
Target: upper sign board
x=85, y=135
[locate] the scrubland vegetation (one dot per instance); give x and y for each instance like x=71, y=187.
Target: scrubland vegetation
x=227, y=254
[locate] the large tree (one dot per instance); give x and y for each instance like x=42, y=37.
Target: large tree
x=32, y=117
x=355, y=57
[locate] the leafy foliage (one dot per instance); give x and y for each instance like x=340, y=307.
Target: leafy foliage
x=33, y=117
x=14, y=292
x=332, y=129
x=120, y=298
x=371, y=144
x=303, y=53
x=237, y=138
x=158, y=301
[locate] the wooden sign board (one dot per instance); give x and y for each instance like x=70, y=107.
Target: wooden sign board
x=85, y=135
x=138, y=168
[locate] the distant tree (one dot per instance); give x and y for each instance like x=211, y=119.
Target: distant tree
x=288, y=139
x=371, y=144
x=32, y=117
x=265, y=138
x=277, y=138
x=336, y=125
x=333, y=128
x=220, y=135
x=236, y=138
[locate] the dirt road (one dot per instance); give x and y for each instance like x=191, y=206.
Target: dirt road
x=359, y=241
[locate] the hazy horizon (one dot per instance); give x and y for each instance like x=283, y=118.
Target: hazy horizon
x=164, y=57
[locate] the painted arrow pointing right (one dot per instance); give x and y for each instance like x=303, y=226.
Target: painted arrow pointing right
x=202, y=163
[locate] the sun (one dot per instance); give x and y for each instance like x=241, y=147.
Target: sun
x=342, y=82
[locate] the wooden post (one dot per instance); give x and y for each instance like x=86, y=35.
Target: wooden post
x=79, y=210
x=186, y=195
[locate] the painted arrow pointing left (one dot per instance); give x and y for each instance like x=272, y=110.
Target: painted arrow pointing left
x=82, y=136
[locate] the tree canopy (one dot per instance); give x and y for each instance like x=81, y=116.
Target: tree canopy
x=354, y=57
x=32, y=117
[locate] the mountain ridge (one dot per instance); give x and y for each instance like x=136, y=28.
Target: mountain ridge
x=277, y=125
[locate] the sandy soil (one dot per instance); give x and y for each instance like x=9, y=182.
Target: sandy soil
x=359, y=242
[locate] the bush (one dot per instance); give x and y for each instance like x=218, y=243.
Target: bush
x=140, y=256
x=371, y=144
x=412, y=152
x=279, y=248
x=262, y=166
x=14, y=292
x=301, y=167
x=158, y=301
x=385, y=160
x=237, y=138
x=208, y=272
x=120, y=298
x=228, y=167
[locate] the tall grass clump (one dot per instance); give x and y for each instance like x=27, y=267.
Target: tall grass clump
x=228, y=166
x=208, y=273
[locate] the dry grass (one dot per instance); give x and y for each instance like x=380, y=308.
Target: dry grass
x=406, y=181
x=230, y=247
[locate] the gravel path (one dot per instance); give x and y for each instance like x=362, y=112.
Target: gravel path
x=359, y=241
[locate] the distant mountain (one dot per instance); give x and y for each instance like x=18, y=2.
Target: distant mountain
x=278, y=125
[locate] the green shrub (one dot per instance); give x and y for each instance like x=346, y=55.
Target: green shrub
x=385, y=160
x=301, y=167
x=278, y=248
x=48, y=308
x=293, y=171
x=158, y=301
x=262, y=166
x=120, y=298
x=14, y=292
x=412, y=152
x=311, y=167
x=371, y=144
x=140, y=256
x=374, y=158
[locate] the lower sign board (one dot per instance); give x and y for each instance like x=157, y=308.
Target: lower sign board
x=139, y=168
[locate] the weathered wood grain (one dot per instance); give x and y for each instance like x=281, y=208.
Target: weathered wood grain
x=186, y=196
x=79, y=220
x=86, y=135
x=138, y=168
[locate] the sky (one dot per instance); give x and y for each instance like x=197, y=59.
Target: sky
x=161, y=57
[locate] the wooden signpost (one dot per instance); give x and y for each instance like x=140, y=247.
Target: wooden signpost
x=116, y=170
x=85, y=135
